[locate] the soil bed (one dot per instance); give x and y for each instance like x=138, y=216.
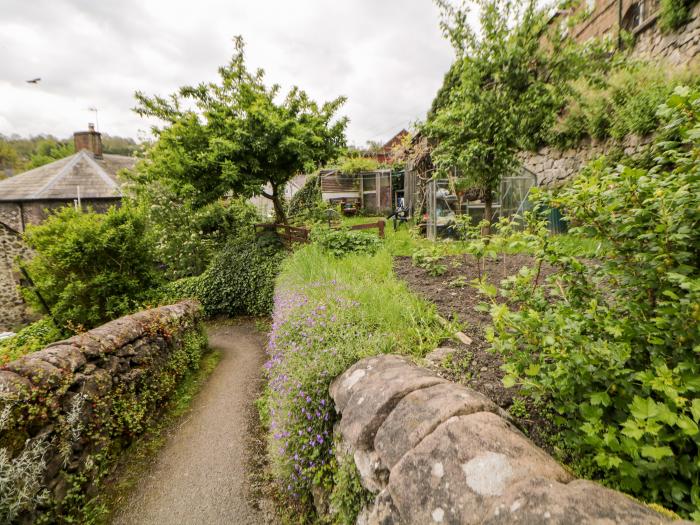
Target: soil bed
x=475, y=365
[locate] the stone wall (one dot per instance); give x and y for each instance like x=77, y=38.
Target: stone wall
x=64, y=410
x=432, y=451
x=680, y=47
x=13, y=311
x=554, y=167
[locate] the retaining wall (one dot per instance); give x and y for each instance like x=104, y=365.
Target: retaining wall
x=554, y=167
x=433, y=451
x=67, y=408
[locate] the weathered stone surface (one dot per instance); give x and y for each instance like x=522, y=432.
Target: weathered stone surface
x=66, y=357
x=381, y=512
x=12, y=385
x=457, y=473
x=420, y=412
x=381, y=390
x=37, y=371
x=355, y=377
x=440, y=355
x=373, y=475
x=545, y=502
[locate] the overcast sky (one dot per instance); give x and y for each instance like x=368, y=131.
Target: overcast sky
x=387, y=56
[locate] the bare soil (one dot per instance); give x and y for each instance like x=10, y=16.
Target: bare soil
x=475, y=365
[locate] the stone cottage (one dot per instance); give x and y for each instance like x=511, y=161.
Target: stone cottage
x=88, y=178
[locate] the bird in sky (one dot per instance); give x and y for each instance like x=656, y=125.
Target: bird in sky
x=34, y=80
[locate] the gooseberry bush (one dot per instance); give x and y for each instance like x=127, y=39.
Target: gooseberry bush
x=613, y=345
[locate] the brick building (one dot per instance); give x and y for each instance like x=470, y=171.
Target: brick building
x=88, y=178
x=605, y=18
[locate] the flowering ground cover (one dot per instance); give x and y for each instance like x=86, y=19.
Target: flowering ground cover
x=330, y=312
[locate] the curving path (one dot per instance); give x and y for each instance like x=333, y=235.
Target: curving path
x=200, y=475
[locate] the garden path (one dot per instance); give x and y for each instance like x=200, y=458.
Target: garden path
x=200, y=474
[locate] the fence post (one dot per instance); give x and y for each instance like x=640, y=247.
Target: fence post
x=380, y=225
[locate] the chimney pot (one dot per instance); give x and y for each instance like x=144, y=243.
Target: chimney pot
x=90, y=140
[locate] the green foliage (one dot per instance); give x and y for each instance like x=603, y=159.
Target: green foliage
x=613, y=346
x=89, y=267
x=623, y=103
x=357, y=165
x=673, y=14
x=330, y=312
x=188, y=236
x=504, y=90
x=238, y=135
x=49, y=150
x=29, y=339
x=341, y=242
x=241, y=279
x=429, y=259
x=307, y=204
x=348, y=496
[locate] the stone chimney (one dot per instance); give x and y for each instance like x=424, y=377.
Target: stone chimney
x=90, y=140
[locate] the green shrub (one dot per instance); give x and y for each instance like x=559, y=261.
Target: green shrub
x=342, y=242
x=188, y=236
x=89, y=267
x=329, y=313
x=29, y=339
x=241, y=279
x=174, y=291
x=623, y=103
x=613, y=345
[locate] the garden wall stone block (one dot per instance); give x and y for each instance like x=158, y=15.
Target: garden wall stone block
x=66, y=398
x=419, y=413
x=437, y=452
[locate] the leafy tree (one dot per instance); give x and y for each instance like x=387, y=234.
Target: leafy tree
x=238, y=135
x=89, y=267
x=502, y=94
x=49, y=150
x=8, y=158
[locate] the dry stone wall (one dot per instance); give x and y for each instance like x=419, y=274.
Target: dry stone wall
x=13, y=311
x=554, y=167
x=65, y=409
x=679, y=47
x=432, y=451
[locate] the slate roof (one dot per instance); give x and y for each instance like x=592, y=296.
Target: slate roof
x=59, y=180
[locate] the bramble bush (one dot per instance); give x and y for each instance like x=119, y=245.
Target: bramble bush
x=342, y=242
x=89, y=267
x=613, y=345
x=329, y=313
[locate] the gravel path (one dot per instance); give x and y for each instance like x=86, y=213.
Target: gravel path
x=200, y=475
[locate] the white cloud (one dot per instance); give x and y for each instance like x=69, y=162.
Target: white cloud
x=387, y=57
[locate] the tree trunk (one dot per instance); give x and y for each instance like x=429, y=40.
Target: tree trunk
x=280, y=215
x=488, y=212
